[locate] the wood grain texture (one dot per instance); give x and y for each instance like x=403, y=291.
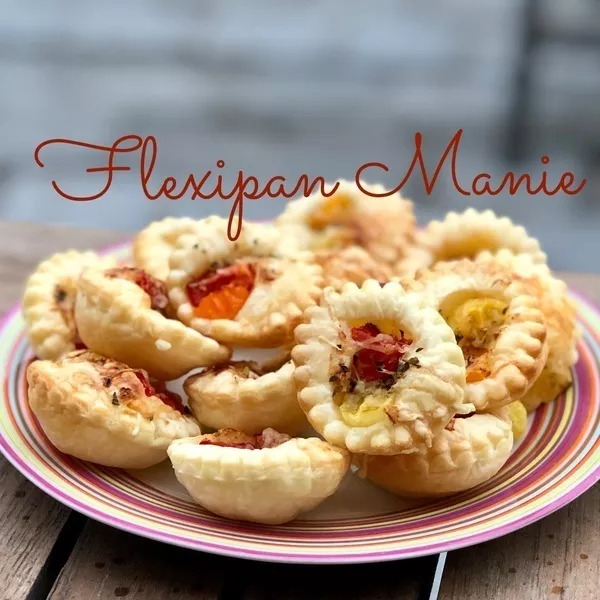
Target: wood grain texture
x=107, y=563
x=557, y=557
x=30, y=521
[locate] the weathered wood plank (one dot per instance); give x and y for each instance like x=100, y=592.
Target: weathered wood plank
x=107, y=563
x=30, y=521
x=557, y=557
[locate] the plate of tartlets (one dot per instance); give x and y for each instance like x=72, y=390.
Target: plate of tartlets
x=335, y=386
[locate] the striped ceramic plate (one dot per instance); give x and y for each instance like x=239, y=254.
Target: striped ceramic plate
x=557, y=460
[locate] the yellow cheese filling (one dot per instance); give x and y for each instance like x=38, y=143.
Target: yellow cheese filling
x=477, y=319
x=518, y=416
x=476, y=323
x=333, y=211
x=357, y=413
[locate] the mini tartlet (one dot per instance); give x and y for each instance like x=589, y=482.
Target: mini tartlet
x=466, y=234
x=247, y=396
x=350, y=264
x=383, y=226
x=266, y=478
x=153, y=246
x=100, y=410
x=500, y=329
x=561, y=323
x=49, y=302
x=466, y=453
x=242, y=293
x=121, y=313
x=377, y=370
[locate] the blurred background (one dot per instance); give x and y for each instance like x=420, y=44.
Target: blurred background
x=317, y=87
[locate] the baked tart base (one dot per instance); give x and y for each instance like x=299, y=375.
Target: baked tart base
x=248, y=397
x=100, y=410
x=268, y=478
x=241, y=293
x=384, y=227
x=377, y=370
x=115, y=317
x=49, y=302
x=464, y=235
x=466, y=453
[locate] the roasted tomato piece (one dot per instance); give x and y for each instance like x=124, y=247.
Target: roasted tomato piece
x=148, y=389
x=232, y=438
x=155, y=288
x=379, y=355
x=173, y=400
x=160, y=391
x=221, y=293
x=477, y=359
x=366, y=332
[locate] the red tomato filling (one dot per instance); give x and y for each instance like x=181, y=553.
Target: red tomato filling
x=155, y=288
x=380, y=353
x=160, y=391
x=221, y=293
x=232, y=438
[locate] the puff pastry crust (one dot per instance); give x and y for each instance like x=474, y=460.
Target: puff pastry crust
x=154, y=244
x=115, y=318
x=100, y=410
x=501, y=329
x=418, y=256
x=464, y=235
x=371, y=390
x=350, y=264
x=49, y=301
x=263, y=310
x=561, y=322
x=384, y=226
x=466, y=453
x=247, y=397
x=272, y=483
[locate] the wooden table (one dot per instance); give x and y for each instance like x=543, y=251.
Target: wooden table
x=50, y=551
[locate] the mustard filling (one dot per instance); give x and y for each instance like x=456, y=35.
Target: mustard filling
x=476, y=323
x=518, y=416
x=333, y=211
x=477, y=320
x=357, y=413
